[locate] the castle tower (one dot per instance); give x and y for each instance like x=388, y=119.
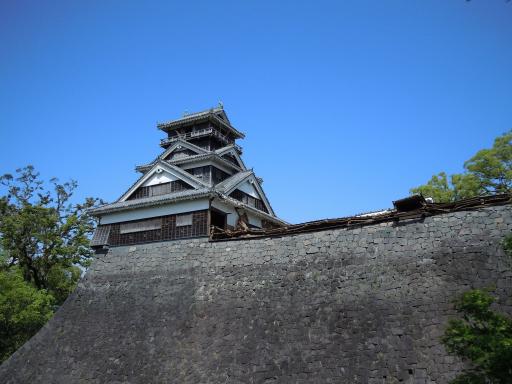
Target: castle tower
x=197, y=182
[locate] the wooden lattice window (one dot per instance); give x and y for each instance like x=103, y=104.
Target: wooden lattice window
x=159, y=189
x=183, y=220
x=101, y=235
x=139, y=226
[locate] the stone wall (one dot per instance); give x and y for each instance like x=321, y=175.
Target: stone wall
x=364, y=305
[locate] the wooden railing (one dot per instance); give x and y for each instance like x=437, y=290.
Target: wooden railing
x=198, y=133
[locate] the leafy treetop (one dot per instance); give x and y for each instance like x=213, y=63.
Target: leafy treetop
x=487, y=172
x=42, y=233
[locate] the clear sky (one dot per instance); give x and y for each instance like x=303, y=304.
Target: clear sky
x=346, y=105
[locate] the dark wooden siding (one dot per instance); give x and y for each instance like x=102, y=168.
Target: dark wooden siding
x=211, y=143
x=203, y=142
x=203, y=173
x=190, y=128
x=209, y=174
x=159, y=189
x=167, y=231
x=218, y=175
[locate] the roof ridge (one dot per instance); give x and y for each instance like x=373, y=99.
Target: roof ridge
x=212, y=110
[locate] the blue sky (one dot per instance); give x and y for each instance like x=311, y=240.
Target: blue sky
x=346, y=105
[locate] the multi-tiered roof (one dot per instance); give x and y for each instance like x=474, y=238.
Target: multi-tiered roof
x=200, y=169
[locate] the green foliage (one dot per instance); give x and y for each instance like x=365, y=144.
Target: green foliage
x=493, y=167
x=42, y=233
x=44, y=246
x=482, y=336
x=62, y=281
x=487, y=172
x=23, y=310
x=438, y=188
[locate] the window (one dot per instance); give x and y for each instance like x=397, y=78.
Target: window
x=199, y=172
x=183, y=220
x=139, y=226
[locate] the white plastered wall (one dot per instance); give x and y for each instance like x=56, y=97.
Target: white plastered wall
x=159, y=178
x=161, y=210
x=248, y=188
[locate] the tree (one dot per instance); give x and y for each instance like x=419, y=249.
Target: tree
x=23, y=309
x=43, y=234
x=44, y=246
x=482, y=336
x=489, y=171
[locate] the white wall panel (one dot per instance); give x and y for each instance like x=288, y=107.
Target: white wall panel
x=162, y=210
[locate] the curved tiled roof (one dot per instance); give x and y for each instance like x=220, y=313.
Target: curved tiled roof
x=212, y=114
x=212, y=156
x=152, y=201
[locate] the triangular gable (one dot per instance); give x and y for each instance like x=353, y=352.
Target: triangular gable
x=168, y=171
x=159, y=178
x=253, y=182
x=231, y=151
x=179, y=145
x=249, y=188
x=223, y=115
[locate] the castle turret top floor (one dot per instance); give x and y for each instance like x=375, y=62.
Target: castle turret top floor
x=209, y=129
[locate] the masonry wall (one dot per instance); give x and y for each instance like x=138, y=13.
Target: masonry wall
x=364, y=305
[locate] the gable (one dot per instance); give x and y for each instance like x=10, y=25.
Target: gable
x=248, y=191
x=232, y=159
x=160, y=182
x=159, y=189
x=163, y=173
x=223, y=115
x=159, y=178
x=249, y=200
x=232, y=156
x=248, y=188
x=181, y=149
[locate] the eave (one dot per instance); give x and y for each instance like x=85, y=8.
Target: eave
x=152, y=201
x=211, y=116
x=207, y=156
